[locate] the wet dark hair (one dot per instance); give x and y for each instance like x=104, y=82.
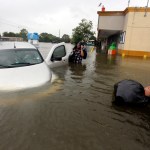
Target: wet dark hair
x=81, y=43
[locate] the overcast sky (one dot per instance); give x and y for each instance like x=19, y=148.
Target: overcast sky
x=53, y=15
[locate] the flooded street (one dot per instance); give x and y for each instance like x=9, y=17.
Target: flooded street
x=75, y=112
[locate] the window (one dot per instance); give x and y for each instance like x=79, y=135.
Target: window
x=59, y=52
x=19, y=57
x=122, y=37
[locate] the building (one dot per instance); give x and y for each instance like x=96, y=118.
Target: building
x=129, y=29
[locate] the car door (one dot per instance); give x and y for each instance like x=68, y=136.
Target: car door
x=57, y=56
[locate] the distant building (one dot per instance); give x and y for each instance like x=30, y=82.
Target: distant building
x=11, y=38
x=129, y=29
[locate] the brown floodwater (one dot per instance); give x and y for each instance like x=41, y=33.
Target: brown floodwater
x=75, y=112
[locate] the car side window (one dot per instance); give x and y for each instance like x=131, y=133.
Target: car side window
x=59, y=52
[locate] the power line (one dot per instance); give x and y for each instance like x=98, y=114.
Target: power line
x=128, y=3
x=10, y=23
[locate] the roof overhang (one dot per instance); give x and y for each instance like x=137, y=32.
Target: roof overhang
x=127, y=10
x=107, y=33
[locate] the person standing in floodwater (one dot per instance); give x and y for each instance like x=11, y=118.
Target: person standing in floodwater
x=78, y=53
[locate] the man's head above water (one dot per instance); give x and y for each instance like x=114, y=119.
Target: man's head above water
x=131, y=92
x=147, y=91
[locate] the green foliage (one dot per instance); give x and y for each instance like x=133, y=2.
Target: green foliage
x=92, y=38
x=23, y=34
x=45, y=37
x=83, y=31
x=65, y=38
x=9, y=34
x=17, y=35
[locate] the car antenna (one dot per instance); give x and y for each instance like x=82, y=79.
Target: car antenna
x=14, y=45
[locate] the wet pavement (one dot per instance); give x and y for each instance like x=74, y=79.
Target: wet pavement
x=75, y=112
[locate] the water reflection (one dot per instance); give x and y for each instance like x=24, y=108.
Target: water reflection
x=135, y=116
x=111, y=59
x=77, y=69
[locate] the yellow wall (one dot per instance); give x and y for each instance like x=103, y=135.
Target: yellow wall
x=137, y=31
x=134, y=53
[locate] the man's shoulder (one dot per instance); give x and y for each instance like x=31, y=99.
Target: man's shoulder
x=129, y=82
x=130, y=91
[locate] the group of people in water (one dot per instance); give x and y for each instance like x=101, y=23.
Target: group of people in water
x=126, y=91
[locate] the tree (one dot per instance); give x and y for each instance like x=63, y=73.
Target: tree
x=83, y=31
x=23, y=34
x=9, y=34
x=65, y=38
x=45, y=37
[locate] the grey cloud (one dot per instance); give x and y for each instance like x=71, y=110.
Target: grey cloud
x=43, y=15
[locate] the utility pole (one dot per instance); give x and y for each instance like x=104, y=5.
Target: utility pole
x=128, y=3
x=146, y=8
x=59, y=33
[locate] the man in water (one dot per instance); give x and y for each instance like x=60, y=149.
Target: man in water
x=131, y=92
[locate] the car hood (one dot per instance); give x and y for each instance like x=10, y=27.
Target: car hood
x=24, y=77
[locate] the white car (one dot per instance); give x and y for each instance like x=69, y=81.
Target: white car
x=22, y=65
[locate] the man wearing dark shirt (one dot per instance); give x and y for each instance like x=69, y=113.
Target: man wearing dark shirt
x=131, y=92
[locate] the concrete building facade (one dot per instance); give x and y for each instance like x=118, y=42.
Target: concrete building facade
x=129, y=29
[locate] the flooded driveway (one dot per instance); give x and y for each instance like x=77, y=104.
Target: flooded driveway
x=75, y=112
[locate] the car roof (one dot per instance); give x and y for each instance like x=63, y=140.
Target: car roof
x=14, y=44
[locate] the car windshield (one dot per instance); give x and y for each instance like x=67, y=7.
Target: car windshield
x=19, y=57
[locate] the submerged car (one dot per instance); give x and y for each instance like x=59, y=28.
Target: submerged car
x=22, y=65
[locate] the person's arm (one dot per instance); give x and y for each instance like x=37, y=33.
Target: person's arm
x=82, y=53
